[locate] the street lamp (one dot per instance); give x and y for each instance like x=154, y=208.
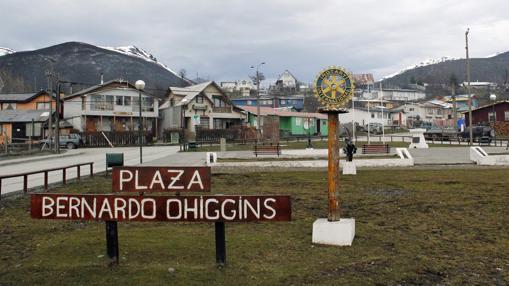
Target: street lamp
x=258, y=119
x=140, y=85
x=493, y=97
x=468, y=90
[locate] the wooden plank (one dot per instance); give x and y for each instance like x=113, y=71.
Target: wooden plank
x=161, y=208
x=161, y=179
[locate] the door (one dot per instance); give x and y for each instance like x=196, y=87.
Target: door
x=18, y=132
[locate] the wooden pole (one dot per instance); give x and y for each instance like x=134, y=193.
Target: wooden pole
x=333, y=167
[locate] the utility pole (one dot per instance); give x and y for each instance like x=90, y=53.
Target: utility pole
x=50, y=119
x=57, y=123
x=471, y=141
x=382, y=106
x=258, y=119
x=454, y=108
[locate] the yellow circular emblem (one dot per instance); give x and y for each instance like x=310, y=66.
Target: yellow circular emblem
x=334, y=87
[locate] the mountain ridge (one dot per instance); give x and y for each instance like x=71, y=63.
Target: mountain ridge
x=25, y=71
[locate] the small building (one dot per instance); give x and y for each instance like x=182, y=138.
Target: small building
x=289, y=123
x=203, y=105
x=20, y=125
x=23, y=115
x=111, y=106
x=287, y=80
x=495, y=112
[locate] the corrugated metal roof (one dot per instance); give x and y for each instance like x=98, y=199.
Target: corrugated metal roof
x=23, y=115
x=284, y=113
x=20, y=97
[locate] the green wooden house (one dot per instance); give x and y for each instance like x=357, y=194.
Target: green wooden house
x=291, y=123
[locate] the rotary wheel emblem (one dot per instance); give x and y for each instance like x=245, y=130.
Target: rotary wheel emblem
x=334, y=87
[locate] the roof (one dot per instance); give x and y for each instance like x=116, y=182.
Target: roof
x=192, y=91
x=491, y=105
x=99, y=86
x=23, y=115
x=20, y=97
x=282, y=112
x=438, y=103
x=459, y=97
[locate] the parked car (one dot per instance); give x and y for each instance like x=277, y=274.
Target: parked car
x=441, y=133
x=374, y=128
x=479, y=134
x=70, y=141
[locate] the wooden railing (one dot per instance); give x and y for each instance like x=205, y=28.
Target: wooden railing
x=46, y=171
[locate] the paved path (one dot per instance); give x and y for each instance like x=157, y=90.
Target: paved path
x=96, y=155
x=447, y=155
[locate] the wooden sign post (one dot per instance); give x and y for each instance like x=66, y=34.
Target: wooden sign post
x=333, y=87
x=333, y=167
x=113, y=208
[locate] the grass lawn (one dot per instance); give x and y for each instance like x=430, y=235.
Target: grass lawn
x=413, y=227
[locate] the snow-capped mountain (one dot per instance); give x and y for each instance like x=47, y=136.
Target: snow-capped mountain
x=421, y=64
x=439, y=71
x=84, y=64
x=6, y=51
x=137, y=52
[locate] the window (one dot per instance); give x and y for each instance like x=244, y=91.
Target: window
x=102, y=102
x=218, y=123
x=199, y=98
x=492, y=117
x=204, y=122
x=298, y=121
x=123, y=100
x=148, y=104
x=283, y=102
x=218, y=102
x=506, y=115
x=249, y=102
x=429, y=111
x=42, y=105
x=439, y=111
x=1, y=129
x=372, y=115
x=37, y=129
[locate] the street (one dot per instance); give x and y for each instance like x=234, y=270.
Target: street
x=72, y=157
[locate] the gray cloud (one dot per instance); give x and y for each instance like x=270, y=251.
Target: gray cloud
x=221, y=39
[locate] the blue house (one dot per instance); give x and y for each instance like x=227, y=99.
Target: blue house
x=296, y=102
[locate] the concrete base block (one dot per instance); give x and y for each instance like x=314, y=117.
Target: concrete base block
x=339, y=232
x=349, y=168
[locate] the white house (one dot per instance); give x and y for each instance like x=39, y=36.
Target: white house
x=395, y=94
x=287, y=81
x=112, y=106
x=362, y=116
x=244, y=87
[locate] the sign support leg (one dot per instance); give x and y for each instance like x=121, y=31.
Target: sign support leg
x=112, y=242
x=333, y=167
x=220, y=244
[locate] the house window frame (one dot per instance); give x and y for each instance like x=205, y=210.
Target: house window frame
x=492, y=116
x=199, y=98
x=506, y=115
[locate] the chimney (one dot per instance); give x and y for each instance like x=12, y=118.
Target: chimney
x=102, y=79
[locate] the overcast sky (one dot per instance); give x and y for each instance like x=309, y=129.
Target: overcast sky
x=222, y=39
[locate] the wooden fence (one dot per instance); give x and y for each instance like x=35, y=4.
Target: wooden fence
x=124, y=138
